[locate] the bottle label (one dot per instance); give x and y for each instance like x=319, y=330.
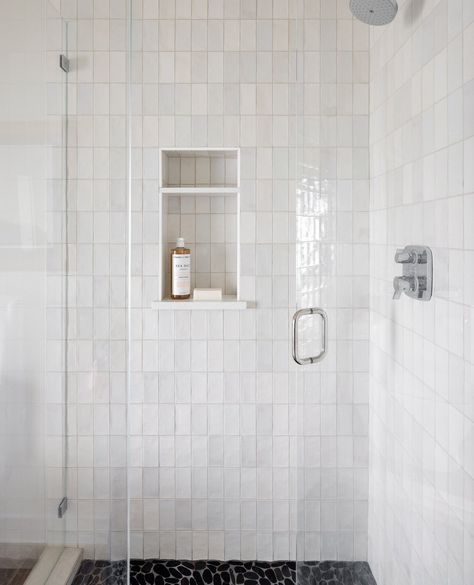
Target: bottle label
x=181, y=267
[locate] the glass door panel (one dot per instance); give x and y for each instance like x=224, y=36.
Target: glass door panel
x=33, y=297
x=331, y=187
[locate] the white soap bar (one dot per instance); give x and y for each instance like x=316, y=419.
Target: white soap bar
x=207, y=294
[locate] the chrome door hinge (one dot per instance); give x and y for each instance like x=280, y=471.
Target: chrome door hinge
x=64, y=63
x=62, y=508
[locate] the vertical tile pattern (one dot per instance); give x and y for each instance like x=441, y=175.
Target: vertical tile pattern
x=213, y=415
x=97, y=233
x=421, y=527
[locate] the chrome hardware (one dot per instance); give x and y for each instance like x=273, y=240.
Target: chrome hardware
x=402, y=284
x=403, y=256
x=64, y=63
x=417, y=279
x=296, y=317
x=62, y=508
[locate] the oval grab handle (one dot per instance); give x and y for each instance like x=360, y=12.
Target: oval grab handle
x=296, y=317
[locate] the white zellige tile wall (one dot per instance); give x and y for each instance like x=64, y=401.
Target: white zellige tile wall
x=421, y=520
x=212, y=416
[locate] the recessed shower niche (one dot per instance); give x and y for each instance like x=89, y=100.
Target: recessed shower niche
x=200, y=201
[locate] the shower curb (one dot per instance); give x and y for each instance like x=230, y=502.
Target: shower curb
x=56, y=566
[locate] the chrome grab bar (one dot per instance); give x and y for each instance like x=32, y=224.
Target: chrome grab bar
x=296, y=317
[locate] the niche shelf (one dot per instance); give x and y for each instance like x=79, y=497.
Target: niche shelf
x=229, y=303
x=199, y=191
x=199, y=200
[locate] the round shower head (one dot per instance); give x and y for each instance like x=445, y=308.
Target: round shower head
x=374, y=11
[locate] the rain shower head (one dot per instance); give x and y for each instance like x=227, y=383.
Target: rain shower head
x=375, y=12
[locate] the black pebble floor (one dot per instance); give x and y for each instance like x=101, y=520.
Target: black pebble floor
x=164, y=572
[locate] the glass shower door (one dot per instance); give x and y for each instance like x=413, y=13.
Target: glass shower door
x=331, y=282
x=32, y=285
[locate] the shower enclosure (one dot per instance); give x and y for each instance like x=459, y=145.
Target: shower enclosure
x=149, y=440
x=192, y=434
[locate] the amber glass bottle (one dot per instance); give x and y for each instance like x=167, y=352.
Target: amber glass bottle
x=180, y=271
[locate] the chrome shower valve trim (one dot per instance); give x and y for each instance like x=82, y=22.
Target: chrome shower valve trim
x=417, y=279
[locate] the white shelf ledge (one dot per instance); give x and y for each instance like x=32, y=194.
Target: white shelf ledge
x=227, y=303
x=199, y=190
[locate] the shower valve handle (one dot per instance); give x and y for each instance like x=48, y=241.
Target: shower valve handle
x=403, y=256
x=403, y=284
